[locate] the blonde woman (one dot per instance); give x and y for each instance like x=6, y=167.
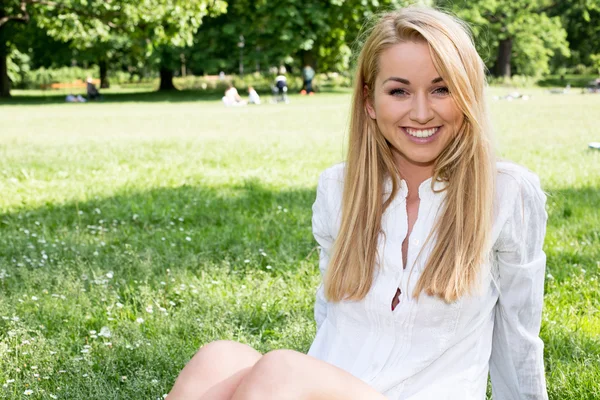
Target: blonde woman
x=431, y=251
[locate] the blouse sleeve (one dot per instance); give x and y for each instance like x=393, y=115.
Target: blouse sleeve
x=322, y=232
x=516, y=363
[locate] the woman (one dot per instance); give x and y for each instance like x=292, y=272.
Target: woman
x=431, y=251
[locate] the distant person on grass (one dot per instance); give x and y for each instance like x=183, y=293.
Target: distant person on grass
x=308, y=74
x=232, y=97
x=92, y=91
x=430, y=249
x=253, y=97
x=281, y=88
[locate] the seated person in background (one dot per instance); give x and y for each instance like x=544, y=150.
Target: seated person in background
x=232, y=97
x=92, y=91
x=253, y=97
x=71, y=98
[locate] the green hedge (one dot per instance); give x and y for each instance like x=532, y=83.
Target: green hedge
x=44, y=77
x=261, y=83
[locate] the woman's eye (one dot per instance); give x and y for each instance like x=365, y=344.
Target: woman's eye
x=398, y=92
x=442, y=90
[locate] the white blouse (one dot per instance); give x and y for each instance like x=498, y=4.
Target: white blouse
x=427, y=349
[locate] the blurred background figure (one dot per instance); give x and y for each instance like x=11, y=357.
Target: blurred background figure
x=92, y=91
x=280, y=89
x=308, y=73
x=232, y=97
x=253, y=97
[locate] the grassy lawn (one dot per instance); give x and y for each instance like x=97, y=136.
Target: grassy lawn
x=134, y=230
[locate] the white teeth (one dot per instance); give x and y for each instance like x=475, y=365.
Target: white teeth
x=421, y=133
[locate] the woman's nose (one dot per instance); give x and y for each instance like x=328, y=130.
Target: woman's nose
x=421, y=111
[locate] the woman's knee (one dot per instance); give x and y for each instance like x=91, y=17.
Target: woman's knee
x=275, y=375
x=217, y=366
x=226, y=352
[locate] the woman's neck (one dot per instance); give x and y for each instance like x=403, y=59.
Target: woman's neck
x=414, y=174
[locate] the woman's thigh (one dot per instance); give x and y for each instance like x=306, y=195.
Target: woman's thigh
x=289, y=375
x=214, y=372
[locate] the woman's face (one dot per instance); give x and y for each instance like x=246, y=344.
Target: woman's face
x=412, y=105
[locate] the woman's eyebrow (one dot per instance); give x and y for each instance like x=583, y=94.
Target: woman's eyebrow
x=407, y=82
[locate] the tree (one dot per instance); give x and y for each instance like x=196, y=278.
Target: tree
x=514, y=34
x=581, y=19
x=149, y=25
x=275, y=32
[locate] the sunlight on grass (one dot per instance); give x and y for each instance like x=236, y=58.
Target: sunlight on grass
x=133, y=232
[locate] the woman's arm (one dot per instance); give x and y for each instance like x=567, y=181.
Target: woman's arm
x=516, y=363
x=321, y=226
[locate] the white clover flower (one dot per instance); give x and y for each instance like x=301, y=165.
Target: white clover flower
x=28, y=392
x=140, y=320
x=110, y=274
x=105, y=332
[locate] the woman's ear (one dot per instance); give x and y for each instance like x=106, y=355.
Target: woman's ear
x=368, y=106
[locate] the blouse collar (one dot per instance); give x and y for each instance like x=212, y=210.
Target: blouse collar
x=425, y=190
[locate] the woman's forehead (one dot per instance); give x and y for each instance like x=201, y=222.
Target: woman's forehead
x=409, y=61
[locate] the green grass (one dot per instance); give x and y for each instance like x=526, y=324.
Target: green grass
x=171, y=221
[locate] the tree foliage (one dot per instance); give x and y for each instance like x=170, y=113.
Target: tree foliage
x=147, y=26
x=524, y=28
x=275, y=32
x=527, y=37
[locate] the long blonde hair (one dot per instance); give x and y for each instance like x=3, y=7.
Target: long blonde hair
x=466, y=166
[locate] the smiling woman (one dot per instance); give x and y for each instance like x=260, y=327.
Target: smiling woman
x=417, y=117
x=421, y=189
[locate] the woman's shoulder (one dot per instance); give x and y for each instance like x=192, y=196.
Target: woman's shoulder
x=513, y=179
x=518, y=193
x=332, y=180
x=335, y=173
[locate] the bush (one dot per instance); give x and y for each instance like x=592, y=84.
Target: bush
x=43, y=77
x=581, y=69
x=515, y=81
x=18, y=66
x=262, y=83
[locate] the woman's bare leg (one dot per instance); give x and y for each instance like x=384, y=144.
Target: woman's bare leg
x=289, y=375
x=214, y=372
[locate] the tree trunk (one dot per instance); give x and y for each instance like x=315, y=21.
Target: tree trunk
x=104, y=83
x=4, y=81
x=308, y=58
x=504, y=56
x=166, y=79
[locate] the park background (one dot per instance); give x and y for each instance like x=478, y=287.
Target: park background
x=137, y=228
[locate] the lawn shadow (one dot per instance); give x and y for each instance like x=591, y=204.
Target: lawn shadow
x=143, y=233
x=143, y=96
x=574, y=215
x=568, y=361
x=173, y=96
